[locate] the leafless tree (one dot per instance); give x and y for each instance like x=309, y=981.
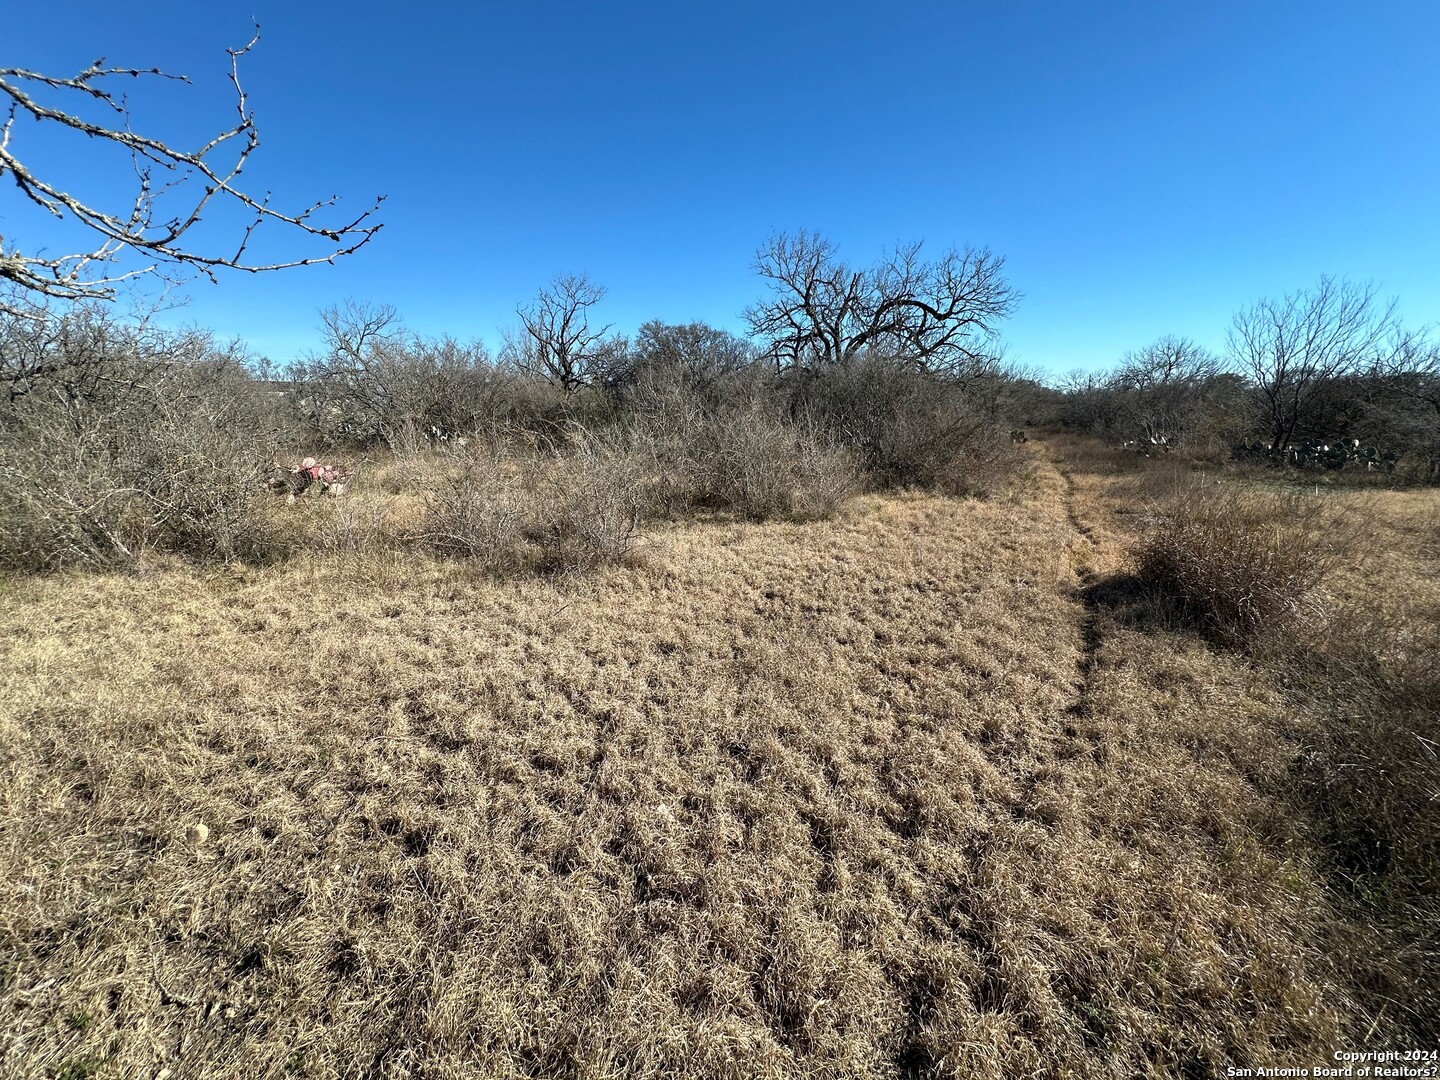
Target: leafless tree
x=941, y=315
x=1089, y=401
x=1406, y=415
x=557, y=341
x=86, y=353
x=174, y=188
x=706, y=366
x=1294, y=347
x=1161, y=387
x=374, y=378
x=344, y=388
x=1169, y=361
x=1410, y=367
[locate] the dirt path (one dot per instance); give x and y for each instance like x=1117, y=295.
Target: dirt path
x=1087, y=558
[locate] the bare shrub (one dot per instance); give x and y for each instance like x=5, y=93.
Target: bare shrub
x=376, y=380
x=201, y=466
x=741, y=458
x=474, y=510
x=63, y=501
x=1242, y=564
x=759, y=467
x=586, y=508
x=349, y=528
x=132, y=439
x=911, y=427
x=574, y=506
x=711, y=369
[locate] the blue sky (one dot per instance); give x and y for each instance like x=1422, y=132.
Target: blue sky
x=1144, y=168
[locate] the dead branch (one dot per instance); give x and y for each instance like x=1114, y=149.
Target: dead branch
x=156, y=221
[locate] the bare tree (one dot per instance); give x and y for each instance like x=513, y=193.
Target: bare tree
x=1293, y=348
x=703, y=352
x=1410, y=367
x=940, y=315
x=346, y=387
x=1161, y=387
x=85, y=353
x=557, y=341
x=1407, y=414
x=174, y=188
x=1169, y=361
x=702, y=364
x=375, y=378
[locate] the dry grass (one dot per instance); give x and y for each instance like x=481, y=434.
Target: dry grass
x=902, y=793
x=1360, y=682
x=1371, y=772
x=1244, y=564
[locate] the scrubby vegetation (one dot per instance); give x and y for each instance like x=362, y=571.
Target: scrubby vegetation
x=1325, y=380
x=1339, y=600
x=119, y=439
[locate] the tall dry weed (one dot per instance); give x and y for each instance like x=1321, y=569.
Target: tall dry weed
x=353, y=528
x=1346, y=629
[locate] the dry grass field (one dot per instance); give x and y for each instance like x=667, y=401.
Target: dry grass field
x=932, y=788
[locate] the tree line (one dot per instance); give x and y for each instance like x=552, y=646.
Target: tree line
x=1332, y=362
x=117, y=435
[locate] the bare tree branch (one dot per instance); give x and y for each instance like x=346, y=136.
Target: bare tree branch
x=1162, y=388
x=156, y=221
x=1295, y=346
x=1410, y=366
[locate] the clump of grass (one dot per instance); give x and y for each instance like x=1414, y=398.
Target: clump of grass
x=1243, y=565
x=1359, y=671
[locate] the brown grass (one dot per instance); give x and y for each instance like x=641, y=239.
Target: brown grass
x=1371, y=771
x=915, y=791
x=1244, y=564
x=1359, y=679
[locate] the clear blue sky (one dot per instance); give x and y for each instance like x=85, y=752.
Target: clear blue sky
x=1144, y=168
